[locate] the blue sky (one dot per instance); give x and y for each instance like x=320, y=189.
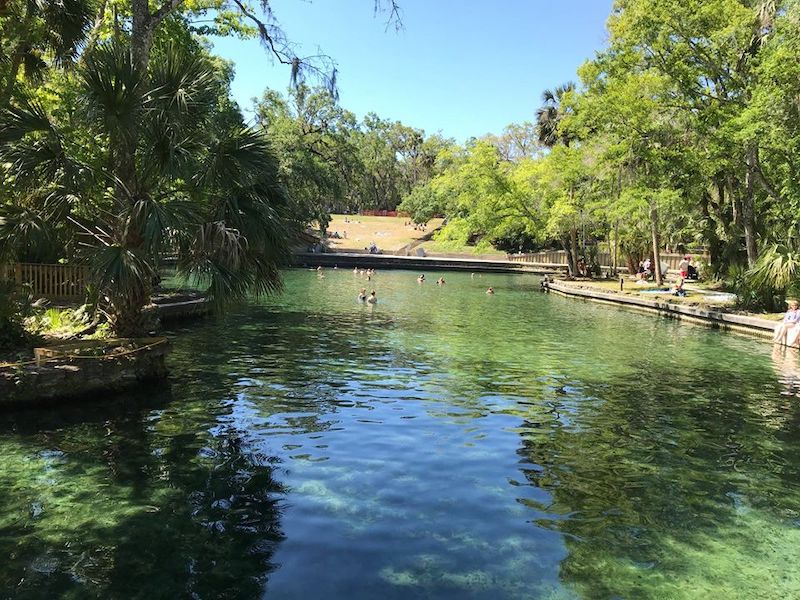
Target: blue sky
x=464, y=68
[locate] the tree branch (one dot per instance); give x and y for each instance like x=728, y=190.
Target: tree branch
x=762, y=179
x=164, y=10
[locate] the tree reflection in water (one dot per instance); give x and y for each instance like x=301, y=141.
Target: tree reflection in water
x=631, y=490
x=122, y=507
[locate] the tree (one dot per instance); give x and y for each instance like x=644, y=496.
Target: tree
x=314, y=139
x=33, y=32
x=709, y=53
x=550, y=115
x=173, y=171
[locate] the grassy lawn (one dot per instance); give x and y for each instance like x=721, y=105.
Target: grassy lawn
x=433, y=247
x=389, y=233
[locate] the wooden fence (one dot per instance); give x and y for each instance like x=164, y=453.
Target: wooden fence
x=67, y=282
x=559, y=257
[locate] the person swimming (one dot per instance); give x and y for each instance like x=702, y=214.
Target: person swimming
x=421, y=278
x=373, y=297
x=362, y=295
x=440, y=281
x=490, y=291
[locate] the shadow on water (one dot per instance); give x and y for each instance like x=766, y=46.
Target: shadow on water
x=443, y=444
x=134, y=497
x=164, y=492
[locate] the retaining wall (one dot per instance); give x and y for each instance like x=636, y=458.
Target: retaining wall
x=417, y=263
x=54, y=379
x=712, y=318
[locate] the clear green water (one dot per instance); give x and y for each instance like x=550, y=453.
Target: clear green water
x=443, y=444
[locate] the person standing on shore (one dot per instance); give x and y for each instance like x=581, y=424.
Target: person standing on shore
x=683, y=266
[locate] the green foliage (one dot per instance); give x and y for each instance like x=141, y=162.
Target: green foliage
x=333, y=163
x=684, y=132
x=778, y=269
x=174, y=171
x=422, y=204
x=56, y=322
x=752, y=294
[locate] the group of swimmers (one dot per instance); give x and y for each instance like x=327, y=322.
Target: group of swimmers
x=368, y=273
x=421, y=279
x=372, y=298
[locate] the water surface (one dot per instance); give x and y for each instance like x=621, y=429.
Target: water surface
x=442, y=444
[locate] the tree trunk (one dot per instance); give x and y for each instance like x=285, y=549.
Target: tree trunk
x=128, y=317
x=748, y=208
x=11, y=78
x=573, y=241
x=656, y=244
x=572, y=267
x=141, y=33
x=16, y=58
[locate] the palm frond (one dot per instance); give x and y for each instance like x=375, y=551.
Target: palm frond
x=162, y=221
x=777, y=267
x=114, y=88
x=67, y=23
x=24, y=117
x=120, y=270
x=23, y=230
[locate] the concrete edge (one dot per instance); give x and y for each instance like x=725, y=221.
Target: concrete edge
x=184, y=309
x=753, y=326
x=390, y=261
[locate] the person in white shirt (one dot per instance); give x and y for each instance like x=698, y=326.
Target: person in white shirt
x=787, y=332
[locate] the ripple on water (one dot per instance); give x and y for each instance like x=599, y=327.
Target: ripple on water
x=442, y=444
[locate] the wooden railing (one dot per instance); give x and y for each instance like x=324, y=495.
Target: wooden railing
x=559, y=257
x=52, y=281
x=548, y=257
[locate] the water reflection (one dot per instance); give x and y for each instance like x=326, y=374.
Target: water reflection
x=132, y=499
x=787, y=367
x=441, y=444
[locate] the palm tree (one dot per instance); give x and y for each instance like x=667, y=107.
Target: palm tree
x=548, y=123
x=550, y=114
x=161, y=163
x=35, y=31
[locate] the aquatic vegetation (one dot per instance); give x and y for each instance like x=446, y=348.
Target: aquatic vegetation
x=434, y=445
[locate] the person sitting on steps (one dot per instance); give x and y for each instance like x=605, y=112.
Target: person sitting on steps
x=787, y=332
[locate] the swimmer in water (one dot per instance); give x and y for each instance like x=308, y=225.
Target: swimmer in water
x=373, y=298
x=440, y=281
x=490, y=291
x=362, y=295
x=421, y=278
x=355, y=270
